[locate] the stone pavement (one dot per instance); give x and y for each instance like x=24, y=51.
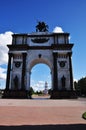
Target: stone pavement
x=15, y=112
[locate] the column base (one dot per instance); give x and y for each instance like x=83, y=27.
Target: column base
x=15, y=94
x=63, y=94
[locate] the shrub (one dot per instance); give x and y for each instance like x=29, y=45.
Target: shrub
x=84, y=115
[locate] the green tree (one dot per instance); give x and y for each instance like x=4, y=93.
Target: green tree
x=77, y=88
x=80, y=86
x=30, y=92
x=49, y=91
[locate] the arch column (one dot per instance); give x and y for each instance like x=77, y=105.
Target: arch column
x=8, y=71
x=28, y=75
x=70, y=70
x=23, y=71
x=55, y=77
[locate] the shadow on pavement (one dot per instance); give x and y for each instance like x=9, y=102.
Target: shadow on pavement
x=45, y=127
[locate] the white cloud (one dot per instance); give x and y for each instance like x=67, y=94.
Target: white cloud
x=5, y=38
x=40, y=85
x=75, y=80
x=58, y=30
x=2, y=73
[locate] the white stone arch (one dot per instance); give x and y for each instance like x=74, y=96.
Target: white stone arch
x=52, y=49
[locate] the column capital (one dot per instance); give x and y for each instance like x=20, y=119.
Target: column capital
x=69, y=53
x=55, y=54
x=10, y=54
x=24, y=54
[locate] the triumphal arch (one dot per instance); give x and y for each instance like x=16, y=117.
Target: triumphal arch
x=27, y=50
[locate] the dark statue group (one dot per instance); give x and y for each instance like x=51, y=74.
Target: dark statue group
x=41, y=27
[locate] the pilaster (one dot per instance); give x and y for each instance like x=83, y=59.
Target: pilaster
x=55, y=77
x=70, y=70
x=8, y=71
x=23, y=70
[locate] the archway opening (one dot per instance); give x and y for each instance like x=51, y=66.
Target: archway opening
x=41, y=81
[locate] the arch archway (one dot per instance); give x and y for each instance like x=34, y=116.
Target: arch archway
x=35, y=62
x=40, y=75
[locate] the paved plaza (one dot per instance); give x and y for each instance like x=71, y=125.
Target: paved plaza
x=15, y=112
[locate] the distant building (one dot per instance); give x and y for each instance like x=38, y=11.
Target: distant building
x=46, y=88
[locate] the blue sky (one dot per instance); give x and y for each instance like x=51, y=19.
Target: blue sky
x=21, y=16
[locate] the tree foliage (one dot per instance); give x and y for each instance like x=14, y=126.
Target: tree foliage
x=80, y=86
x=31, y=91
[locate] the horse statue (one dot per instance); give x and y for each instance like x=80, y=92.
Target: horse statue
x=41, y=27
